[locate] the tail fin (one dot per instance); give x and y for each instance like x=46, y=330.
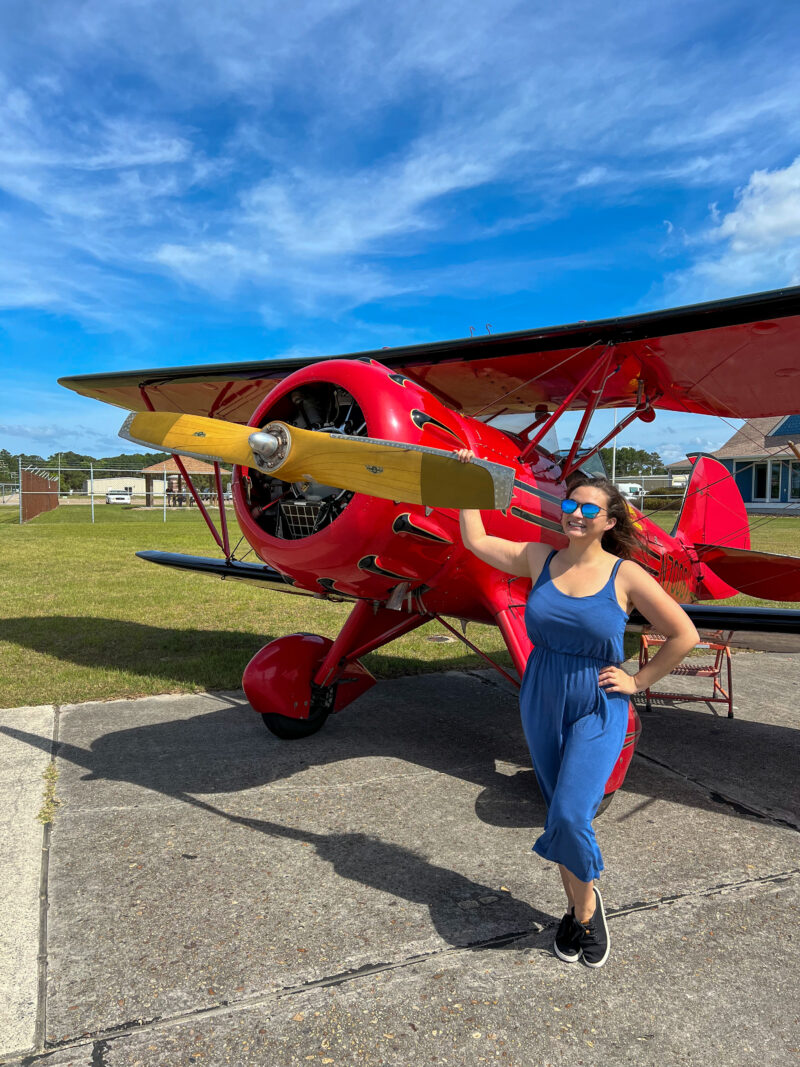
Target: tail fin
x=712, y=513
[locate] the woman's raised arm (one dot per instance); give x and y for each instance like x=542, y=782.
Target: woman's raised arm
x=508, y=556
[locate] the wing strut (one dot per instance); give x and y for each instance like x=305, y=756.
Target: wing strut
x=223, y=541
x=569, y=464
x=643, y=410
x=601, y=362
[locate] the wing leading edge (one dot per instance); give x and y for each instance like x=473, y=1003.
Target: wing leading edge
x=735, y=358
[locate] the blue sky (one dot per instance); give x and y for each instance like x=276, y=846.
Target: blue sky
x=186, y=183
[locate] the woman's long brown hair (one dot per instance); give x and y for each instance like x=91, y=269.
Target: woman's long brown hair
x=622, y=539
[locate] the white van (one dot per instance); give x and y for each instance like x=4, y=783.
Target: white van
x=118, y=496
x=630, y=489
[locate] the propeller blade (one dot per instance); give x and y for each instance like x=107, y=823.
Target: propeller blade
x=190, y=435
x=411, y=474
x=393, y=470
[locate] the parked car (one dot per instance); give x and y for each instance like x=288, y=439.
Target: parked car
x=631, y=489
x=117, y=496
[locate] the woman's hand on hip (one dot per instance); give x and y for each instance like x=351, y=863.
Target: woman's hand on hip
x=615, y=680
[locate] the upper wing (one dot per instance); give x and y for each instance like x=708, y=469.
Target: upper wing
x=736, y=358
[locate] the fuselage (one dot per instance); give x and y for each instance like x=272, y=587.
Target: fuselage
x=331, y=542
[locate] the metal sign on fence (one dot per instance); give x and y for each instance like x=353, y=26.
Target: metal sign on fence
x=37, y=493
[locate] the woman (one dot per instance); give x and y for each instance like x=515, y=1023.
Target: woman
x=574, y=695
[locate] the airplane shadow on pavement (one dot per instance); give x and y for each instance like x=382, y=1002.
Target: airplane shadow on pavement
x=228, y=750
x=453, y=729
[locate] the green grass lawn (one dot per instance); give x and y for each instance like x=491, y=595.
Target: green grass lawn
x=768, y=533
x=84, y=619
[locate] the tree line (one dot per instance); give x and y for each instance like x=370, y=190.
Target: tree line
x=630, y=462
x=633, y=461
x=9, y=465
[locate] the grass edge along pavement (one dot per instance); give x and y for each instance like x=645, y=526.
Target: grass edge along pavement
x=50, y=799
x=84, y=619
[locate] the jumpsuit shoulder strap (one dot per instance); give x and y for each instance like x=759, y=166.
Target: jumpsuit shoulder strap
x=611, y=586
x=544, y=573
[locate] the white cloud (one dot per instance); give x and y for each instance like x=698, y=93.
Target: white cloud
x=283, y=153
x=755, y=246
x=768, y=212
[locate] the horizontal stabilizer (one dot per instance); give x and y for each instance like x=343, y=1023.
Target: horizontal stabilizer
x=765, y=575
x=760, y=629
x=259, y=573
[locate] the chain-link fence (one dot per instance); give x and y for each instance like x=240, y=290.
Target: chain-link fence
x=102, y=494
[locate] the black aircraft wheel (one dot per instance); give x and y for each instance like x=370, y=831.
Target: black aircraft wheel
x=604, y=803
x=289, y=729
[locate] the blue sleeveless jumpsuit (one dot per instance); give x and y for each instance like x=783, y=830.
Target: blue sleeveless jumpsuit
x=575, y=730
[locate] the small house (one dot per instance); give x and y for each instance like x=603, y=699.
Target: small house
x=762, y=459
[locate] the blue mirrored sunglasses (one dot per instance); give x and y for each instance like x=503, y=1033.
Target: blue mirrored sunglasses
x=589, y=511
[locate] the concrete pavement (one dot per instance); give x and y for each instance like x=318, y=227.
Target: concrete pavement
x=368, y=895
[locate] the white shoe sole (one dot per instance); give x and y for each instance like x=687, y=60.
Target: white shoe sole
x=601, y=961
x=566, y=959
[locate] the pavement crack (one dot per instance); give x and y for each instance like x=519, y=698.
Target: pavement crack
x=707, y=891
x=720, y=798
x=100, y=1040
x=489, y=679
x=40, y=1024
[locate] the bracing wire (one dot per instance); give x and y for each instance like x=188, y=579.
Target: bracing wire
x=536, y=377
x=764, y=520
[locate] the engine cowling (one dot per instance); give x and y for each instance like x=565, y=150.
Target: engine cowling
x=331, y=539
x=335, y=541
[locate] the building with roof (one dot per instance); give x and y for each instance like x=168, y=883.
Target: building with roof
x=764, y=458
x=124, y=483
x=160, y=478
x=167, y=472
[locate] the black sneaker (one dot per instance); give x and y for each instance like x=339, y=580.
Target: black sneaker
x=594, y=939
x=566, y=943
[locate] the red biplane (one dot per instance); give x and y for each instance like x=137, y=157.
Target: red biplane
x=345, y=484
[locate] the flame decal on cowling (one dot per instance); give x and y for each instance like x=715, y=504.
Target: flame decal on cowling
x=422, y=419
x=538, y=520
x=329, y=585
x=370, y=564
x=405, y=524
x=534, y=490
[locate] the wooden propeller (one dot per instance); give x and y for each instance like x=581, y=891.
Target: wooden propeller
x=410, y=474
